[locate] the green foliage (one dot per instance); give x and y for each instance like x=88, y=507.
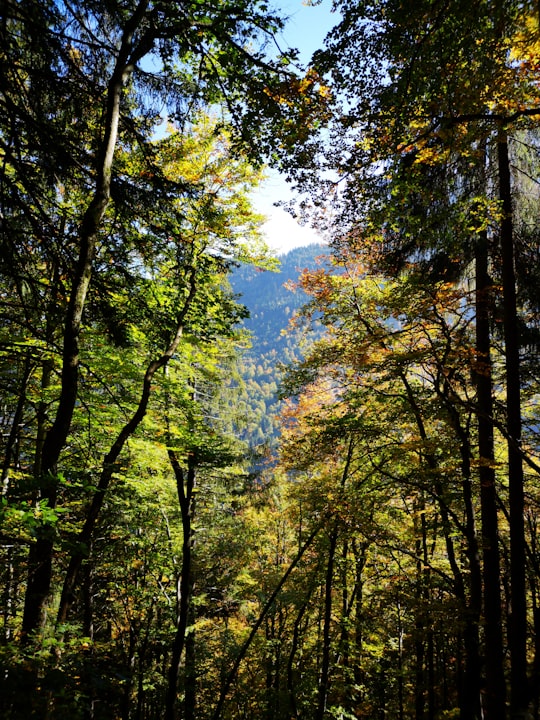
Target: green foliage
x=130, y=258
x=117, y=239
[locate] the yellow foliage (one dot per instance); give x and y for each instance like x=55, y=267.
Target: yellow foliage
x=526, y=45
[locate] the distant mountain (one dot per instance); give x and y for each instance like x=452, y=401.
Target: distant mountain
x=271, y=306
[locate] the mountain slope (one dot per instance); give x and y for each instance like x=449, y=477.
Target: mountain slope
x=271, y=306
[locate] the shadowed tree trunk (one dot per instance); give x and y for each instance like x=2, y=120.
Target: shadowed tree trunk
x=185, y=484
x=519, y=692
x=324, y=677
x=495, y=696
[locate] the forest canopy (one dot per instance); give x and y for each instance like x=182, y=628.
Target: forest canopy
x=165, y=551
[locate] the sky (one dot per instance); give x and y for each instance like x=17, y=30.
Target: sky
x=306, y=29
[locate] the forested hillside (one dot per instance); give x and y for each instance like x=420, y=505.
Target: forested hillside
x=272, y=300
x=175, y=544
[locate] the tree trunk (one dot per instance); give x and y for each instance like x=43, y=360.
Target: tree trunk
x=421, y=595
x=297, y=632
x=495, y=695
x=517, y=630
x=324, y=678
x=185, y=483
x=360, y=556
x=469, y=686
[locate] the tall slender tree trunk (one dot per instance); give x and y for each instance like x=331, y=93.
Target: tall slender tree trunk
x=291, y=661
x=534, y=678
x=421, y=598
x=470, y=678
x=401, y=693
x=470, y=700
x=519, y=692
x=185, y=483
x=495, y=695
x=360, y=558
x=88, y=630
x=324, y=675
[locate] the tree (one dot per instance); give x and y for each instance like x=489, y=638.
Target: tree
x=83, y=79
x=117, y=246
x=396, y=351
x=431, y=164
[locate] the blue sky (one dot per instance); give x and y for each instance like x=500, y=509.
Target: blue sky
x=307, y=26
x=306, y=29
